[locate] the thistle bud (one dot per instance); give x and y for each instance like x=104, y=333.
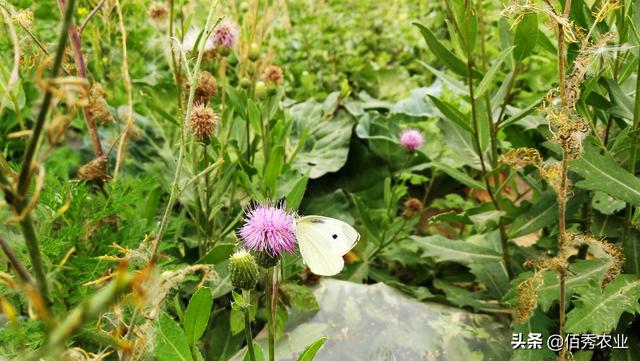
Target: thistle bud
x=260, y=90
x=243, y=270
x=254, y=52
x=245, y=83
x=206, y=89
x=203, y=122
x=266, y=260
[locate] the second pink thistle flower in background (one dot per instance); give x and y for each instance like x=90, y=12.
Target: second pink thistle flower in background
x=225, y=35
x=411, y=139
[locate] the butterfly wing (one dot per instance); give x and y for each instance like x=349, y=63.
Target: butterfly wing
x=323, y=241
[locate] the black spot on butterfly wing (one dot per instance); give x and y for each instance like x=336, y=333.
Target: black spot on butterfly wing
x=335, y=236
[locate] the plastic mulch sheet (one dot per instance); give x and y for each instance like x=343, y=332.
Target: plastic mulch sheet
x=379, y=323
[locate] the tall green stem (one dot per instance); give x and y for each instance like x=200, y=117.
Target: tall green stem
x=19, y=200
x=563, y=191
x=246, y=295
x=193, y=81
x=271, y=288
x=632, y=164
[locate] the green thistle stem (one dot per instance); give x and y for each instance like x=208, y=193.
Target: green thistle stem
x=246, y=294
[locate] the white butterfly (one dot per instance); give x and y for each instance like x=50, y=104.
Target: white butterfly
x=323, y=241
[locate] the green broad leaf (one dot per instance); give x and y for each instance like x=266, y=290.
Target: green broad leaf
x=526, y=37
x=197, y=315
x=299, y=297
x=310, y=352
x=455, y=251
x=598, y=312
x=257, y=351
x=381, y=134
x=322, y=135
x=487, y=80
x=606, y=204
x=462, y=144
x=602, y=173
x=171, y=343
x=493, y=275
x=442, y=53
x=543, y=213
x=452, y=113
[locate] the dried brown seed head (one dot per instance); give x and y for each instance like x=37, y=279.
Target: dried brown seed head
x=203, y=122
x=273, y=75
x=158, y=11
x=521, y=157
x=412, y=206
x=95, y=170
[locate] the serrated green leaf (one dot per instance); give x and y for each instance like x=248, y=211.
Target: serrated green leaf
x=197, y=315
x=171, y=344
x=602, y=173
x=493, y=275
x=236, y=321
x=599, y=312
x=583, y=275
x=310, y=352
x=454, y=250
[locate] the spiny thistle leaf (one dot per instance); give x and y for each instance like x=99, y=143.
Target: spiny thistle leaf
x=599, y=313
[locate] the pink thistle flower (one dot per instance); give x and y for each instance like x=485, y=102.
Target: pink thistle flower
x=225, y=35
x=269, y=229
x=411, y=139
